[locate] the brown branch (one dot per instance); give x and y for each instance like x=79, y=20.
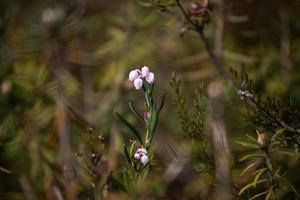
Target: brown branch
x=199, y=28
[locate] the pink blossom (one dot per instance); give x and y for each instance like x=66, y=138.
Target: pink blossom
x=150, y=78
x=138, y=83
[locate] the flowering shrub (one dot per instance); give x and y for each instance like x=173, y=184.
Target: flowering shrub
x=139, y=159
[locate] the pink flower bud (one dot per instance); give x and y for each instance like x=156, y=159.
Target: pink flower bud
x=134, y=74
x=144, y=159
x=138, y=83
x=150, y=78
x=145, y=71
x=137, y=156
x=141, y=151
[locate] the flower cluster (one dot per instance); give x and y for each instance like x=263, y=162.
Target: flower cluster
x=244, y=94
x=141, y=154
x=137, y=77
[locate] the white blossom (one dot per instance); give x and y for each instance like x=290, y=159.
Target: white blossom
x=145, y=71
x=138, y=77
x=144, y=159
x=138, y=83
x=141, y=151
x=150, y=78
x=137, y=156
x=141, y=154
x=134, y=74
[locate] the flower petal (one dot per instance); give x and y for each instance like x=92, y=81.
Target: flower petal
x=138, y=83
x=144, y=160
x=150, y=78
x=134, y=74
x=145, y=71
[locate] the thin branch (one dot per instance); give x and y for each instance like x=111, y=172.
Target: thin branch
x=199, y=28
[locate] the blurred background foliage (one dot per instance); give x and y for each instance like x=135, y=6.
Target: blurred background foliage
x=63, y=73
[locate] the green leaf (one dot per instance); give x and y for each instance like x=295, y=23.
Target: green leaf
x=116, y=184
x=278, y=133
x=162, y=101
x=258, y=195
x=248, y=144
x=145, y=4
x=269, y=195
x=127, y=181
x=126, y=154
x=153, y=122
x=258, y=174
x=131, y=152
x=251, y=185
x=251, y=138
x=136, y=114
x=247, y=168
x=144, y=172
x=286, y=153
x=134, y=131
x=250, y=156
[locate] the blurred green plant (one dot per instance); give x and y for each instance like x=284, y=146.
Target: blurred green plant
x=139, y=159
x=192, y=120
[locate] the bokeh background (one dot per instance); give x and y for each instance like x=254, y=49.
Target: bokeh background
x=64, y=67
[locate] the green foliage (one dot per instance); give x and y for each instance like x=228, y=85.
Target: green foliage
x=136, y=171
x=192, y=123
x=63, y=69
x=277, y=137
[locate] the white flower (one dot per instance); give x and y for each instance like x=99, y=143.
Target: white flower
x=134, y=74
x=141, y=151
x=138, y=83
x=150, y=78
x=137, y=76
x=145, y=71
x=137, y=156
x=144, y=159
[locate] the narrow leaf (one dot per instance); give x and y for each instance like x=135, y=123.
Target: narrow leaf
x=258, y=195
x=247, y=168
x=251, y=185
x=251, y=138
x=153, y=122
x=258, y=174
x=5, y=170
x=116, y=184
x=248, y=144
x=134, y=131
x=249, y=156
x=270, y=194
x=162, y=101
x=131, y=152
x=136, y=114
x=126, y=154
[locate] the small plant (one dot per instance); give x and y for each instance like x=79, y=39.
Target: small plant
x=192, y=123
x=276, y=143
x=140, y=153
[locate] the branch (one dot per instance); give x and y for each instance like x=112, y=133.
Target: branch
x=199, y=28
